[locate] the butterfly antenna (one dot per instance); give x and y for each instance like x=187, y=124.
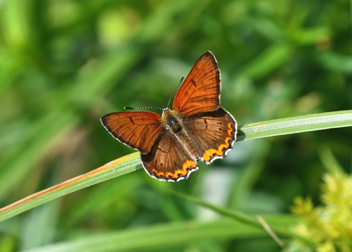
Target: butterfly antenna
x=173, y=93
x=144, y=108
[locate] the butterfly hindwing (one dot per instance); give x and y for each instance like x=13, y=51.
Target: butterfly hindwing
x=168, y=160
x=201, y=89
x=213, y=133
x=138, y=130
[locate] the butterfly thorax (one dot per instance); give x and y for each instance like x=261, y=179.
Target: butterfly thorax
x=173, y=122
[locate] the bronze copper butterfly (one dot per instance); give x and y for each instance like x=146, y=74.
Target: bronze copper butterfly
x=196, y=128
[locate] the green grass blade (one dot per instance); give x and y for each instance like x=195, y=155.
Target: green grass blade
x=244, y=218
x=131, y=162
x=238, y=216
x=110, y=170
x=297, y=124
x=158, y=237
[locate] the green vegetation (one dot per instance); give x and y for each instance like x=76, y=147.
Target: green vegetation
x=64, y=64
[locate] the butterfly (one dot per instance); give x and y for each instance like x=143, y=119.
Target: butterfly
x=196, y=128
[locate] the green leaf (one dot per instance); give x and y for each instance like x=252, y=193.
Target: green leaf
x=241, y=217
x=158, y=236
x=110, y=170
x=298, y=124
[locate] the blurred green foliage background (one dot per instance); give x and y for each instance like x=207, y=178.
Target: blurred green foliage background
x=66, y=63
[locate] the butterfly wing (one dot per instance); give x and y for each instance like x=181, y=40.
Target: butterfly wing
x=168, y=160
x=138, y=130
x=201, y=89
x=213, y=132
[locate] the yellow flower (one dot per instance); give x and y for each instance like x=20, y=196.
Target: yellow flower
x=329, y=225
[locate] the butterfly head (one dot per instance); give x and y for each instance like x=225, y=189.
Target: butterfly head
x=166, y=111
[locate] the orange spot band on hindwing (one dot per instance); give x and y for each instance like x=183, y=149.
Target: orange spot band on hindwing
x=208, y=154
x=188, y=165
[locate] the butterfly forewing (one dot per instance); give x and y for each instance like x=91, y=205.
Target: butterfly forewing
x=168, y=160
x=213, y=133
x=138, y=130
x=201, y=89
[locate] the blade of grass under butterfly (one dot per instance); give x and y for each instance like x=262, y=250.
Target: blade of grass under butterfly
x=131, y=162
x=110, y=170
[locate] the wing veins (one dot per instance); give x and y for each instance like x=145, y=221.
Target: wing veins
x=202, y=77
x=201, y=96
x=205, y=75
x=190, y=111
x=137, y=143
x=208, y=75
